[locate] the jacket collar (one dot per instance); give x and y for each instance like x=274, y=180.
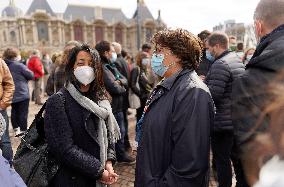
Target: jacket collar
x=168, y=82
x=8, y=62
x=222, y=55
x=266, y=41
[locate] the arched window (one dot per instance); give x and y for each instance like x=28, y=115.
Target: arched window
x=99, y=31
x=42, y=30
x=78, y=33
x=13, y=36
x=118, y=34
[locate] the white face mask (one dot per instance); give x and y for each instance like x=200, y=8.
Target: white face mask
x=84, y=74
x=249, y=57
x=145, y=61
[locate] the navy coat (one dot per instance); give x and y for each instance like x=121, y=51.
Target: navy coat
x=21, y=75
x=175, y=142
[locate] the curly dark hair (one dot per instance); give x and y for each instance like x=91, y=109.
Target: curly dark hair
x=98, y=84
x=185, y=45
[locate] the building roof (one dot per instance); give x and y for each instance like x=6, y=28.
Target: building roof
x=110, y=15
x=40, y=5
x=81, y=12
x=113, y=15
x=144, y=12
x=12, y=10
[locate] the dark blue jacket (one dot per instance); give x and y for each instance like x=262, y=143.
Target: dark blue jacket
x=175, y=142
x=21, y=75
x=219, y=80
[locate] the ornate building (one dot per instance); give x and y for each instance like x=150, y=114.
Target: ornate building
x=48, y=31
x=242, y=33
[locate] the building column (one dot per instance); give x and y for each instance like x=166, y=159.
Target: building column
x=113, y=33
x=50, y=33
x=105, y=33
x=63, y=34
x=143, y=35
x=85, y=33
x=59, y=33
x=94, y=34
x=72, y=32
x=7, y=33
x=35, y=34
x=24, y=33
x=124, y=37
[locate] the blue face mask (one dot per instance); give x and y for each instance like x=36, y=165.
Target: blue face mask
x=157, y=64
x=113, y=57
x=209, y=56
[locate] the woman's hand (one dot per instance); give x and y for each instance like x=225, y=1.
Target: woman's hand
x=112, y=175
x=109, y=176
x=105, y=178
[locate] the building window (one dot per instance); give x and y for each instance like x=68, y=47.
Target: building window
x=42, y=30
x=78, y=33
x=99, y=34
x=119, y=34
x=149, y=34
x=13, y=36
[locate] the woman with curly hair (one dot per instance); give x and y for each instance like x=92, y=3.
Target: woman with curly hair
x=174, y=131
x=79, y=125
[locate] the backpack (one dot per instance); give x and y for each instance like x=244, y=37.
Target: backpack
x=32, y=161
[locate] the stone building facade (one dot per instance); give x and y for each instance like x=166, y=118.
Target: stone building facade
x=48, y=31
x=243, y=33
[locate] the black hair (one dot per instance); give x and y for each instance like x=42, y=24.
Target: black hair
x=97, y=85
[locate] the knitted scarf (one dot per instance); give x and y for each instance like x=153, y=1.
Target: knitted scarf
x=108, y=129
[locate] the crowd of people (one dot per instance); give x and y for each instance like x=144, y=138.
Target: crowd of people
x=192, y=94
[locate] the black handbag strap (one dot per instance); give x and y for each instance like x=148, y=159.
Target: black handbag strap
x=60, y=94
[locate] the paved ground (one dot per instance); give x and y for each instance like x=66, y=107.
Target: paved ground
x=125, y=172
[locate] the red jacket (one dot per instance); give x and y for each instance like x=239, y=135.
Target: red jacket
x=35, y=66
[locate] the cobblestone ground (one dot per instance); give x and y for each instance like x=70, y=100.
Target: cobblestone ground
x=125, y=172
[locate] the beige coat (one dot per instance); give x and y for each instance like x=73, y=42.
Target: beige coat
x=7, y=86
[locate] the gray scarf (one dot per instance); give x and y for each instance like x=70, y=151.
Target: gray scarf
x=108, y=129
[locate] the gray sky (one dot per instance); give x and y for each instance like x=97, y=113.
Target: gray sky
x=194, y=15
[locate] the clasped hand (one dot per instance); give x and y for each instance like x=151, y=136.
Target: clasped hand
x=109, y=176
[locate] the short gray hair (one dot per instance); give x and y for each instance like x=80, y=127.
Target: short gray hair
x=271, y=12
x=36, y=52
x=72, y=43
x=117, y=47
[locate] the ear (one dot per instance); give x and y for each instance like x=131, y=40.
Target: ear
x=258, y=27
x=105, y=53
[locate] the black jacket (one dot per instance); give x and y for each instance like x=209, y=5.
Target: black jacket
x=71, y=133
x=204, y=65
x=122, y=67
x=175, y=143
x=251, y=92
x=224, y=70
x=115, y=89
x=139, y=75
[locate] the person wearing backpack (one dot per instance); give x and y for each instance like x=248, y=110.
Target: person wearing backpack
x=82, y=131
